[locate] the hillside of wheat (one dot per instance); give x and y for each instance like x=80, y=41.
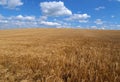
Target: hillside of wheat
x=59, y=55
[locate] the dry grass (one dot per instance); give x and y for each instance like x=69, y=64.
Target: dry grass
x=59, y=55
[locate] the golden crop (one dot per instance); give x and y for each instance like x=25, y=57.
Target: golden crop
x=59, y=55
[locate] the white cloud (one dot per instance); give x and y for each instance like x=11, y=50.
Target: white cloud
x=17, y=21
x=22, y=18
x=30, y=18
x=4, y=24
x=49, y=23
x=11, y=3
x=27, y=24
x=26, y=21
x=99, y=8
x=2, y=19
x=98, y=21
x=54, y=8
x=79, y=17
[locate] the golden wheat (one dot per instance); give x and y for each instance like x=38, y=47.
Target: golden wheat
x=59, y=55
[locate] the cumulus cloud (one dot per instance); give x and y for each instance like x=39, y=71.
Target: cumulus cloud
x=57, y=9
x=99, y=8
x=4, y=24
x=54, y=8
x=79, y=17
x=11, y=3
x=51, y=9
x=17, y=21
x=50, y=23
x=27, y=24
x=98, y=21
x=25, y=21
x=30, y=18
x=21, y=18
x=2, y=19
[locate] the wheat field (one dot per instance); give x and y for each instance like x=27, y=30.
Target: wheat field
x=59, y=55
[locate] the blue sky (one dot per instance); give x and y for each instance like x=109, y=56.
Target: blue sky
x=90, y=14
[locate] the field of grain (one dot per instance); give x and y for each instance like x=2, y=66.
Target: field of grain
x=59, y=55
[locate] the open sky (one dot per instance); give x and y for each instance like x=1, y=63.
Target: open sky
x=91, y=14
